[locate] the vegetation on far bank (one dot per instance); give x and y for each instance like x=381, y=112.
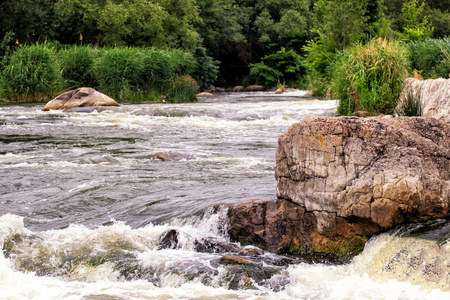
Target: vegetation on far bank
x=39, y=72
x=356, y=50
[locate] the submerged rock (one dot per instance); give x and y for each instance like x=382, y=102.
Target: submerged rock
x=204, y=94
x=434, y=96
x=168, y=156
x=80, y=97
x=340, y=180
x=169, y=240
x=254, y=88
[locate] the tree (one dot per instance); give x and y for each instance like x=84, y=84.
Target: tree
x=29, y=20
x=134, y=22
x=413, y=27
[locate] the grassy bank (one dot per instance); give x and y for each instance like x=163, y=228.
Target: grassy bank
x=368, y=76
x=40, y=72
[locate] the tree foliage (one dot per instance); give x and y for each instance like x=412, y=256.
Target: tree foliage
x=412, y=26
x=282, y=66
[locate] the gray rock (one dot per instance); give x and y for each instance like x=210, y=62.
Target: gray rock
x=434, y=95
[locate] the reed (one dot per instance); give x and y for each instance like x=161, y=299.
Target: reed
x=182, y=88
x=38, y=73
x=411, y=106
x=119, y=70
x=32, y=74
x=369, y=77
x=77, y=66
x=431, y=57
x=131, y=73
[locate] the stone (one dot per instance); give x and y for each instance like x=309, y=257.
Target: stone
x=434, y=95
x=279, y=91
x=238, y=88
x=168, y=156
x=254, y=88
x=80, y=97
x=169, y=240
x=217, y=89
x=342, y=179
x=204, y=94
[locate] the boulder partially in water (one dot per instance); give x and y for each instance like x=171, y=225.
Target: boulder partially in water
x=80, y=97
x=434, y=95
x=340, y=180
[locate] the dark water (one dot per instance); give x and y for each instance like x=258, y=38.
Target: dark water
x=84, y=207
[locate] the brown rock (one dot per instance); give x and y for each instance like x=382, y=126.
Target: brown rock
x=168, y=156
x=238, y=88
x=340, y=180
x=232, y=259
x=80, y=97
x=254, y=88
x=279, y=91
x=204, y=94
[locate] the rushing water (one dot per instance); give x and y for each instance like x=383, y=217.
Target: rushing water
x=84, y=207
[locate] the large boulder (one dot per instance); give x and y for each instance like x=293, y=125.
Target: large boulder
x=434, y=95
x=80, y=97
x=340, y=180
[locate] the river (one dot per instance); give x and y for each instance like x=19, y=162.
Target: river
x=84, y=204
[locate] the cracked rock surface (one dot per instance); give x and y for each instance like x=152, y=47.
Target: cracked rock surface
x=340, y=180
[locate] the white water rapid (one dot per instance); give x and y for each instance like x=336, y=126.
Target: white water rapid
x=88, y=213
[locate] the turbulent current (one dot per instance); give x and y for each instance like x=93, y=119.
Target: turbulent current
x=88, y=211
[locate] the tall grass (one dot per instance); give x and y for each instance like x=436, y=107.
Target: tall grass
x=77, y=65
x=31, y=74
x=119, y=71
x=182, y=88
x=411, y=106
x=40, y=72
x=431, y=57
x=141, y=71
x=369, y=77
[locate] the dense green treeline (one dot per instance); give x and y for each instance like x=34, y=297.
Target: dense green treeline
x=297, y=42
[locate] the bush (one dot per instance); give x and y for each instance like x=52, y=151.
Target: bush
x=282, y=66
x=76, y=65
x=318, y=62
x=370, y=77
x=431, y=57
x=31, y=74
x=182, y=88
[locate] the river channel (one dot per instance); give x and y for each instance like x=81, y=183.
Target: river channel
x=84, y=202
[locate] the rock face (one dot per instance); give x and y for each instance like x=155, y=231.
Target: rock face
x=80, y=97
x=340, y=180
x=434, y=95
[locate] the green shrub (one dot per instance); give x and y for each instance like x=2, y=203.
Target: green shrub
x=76, y=65
x=431, y=57
x=207, y=70
x=283, y=66
x=31, y=74
x=369, y=77
x=318, y=62
x=182, y=88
